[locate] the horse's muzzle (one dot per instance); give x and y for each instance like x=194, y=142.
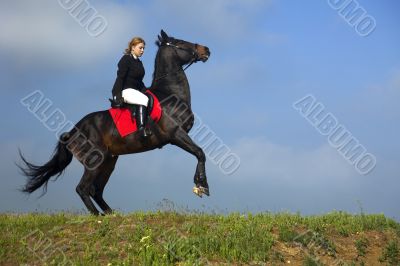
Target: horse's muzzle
x=203, y=53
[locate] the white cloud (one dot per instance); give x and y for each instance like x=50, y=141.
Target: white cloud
x=224, y=20
x=381, y=100
x=289, y=177
x=44, y=33
x=263, y=160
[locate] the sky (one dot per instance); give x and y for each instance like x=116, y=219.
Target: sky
x=272, y=62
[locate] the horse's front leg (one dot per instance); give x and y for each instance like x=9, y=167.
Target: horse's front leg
x=182, y=140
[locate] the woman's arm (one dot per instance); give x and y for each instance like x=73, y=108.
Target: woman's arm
x=123, y=68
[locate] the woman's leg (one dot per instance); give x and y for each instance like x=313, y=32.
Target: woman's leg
x=135, y=97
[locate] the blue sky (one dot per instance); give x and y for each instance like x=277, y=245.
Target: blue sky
x=265, y=55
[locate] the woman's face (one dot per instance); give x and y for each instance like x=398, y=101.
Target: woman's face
x=138, y=49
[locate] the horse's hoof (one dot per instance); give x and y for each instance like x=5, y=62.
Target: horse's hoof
x=108, y=212
x=205, y=191
x=197, y=191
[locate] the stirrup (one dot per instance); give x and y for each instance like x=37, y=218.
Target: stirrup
x=147, y=132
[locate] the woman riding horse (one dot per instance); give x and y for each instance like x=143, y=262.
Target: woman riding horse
x=129, y=86
x=96, y=131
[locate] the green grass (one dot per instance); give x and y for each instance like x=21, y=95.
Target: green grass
x=310, y=262
x=391, y=253
x=361, y=246
x=171, y=238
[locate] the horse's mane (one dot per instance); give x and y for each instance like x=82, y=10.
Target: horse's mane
x=156, y=61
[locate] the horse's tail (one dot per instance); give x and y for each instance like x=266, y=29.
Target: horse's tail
x=40, y=175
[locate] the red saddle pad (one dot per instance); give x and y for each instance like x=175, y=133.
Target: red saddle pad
x=123, y=119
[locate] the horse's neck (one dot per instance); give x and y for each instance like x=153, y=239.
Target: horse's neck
x=169, y=79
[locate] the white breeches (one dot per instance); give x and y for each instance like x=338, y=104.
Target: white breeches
x=133, y=96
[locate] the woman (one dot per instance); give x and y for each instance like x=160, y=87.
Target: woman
x=129, y=86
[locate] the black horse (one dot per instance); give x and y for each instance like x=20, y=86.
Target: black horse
x=95, y=142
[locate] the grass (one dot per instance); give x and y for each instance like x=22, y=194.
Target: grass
x=172, y=238
x=309, y=261
x=361, y=246
x=391, y=253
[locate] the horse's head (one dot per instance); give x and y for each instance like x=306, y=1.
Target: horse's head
x=187, y=52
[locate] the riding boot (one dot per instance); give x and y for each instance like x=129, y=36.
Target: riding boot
x=133, y=110
x=141, y=121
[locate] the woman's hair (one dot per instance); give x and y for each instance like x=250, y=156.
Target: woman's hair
x=133, y=42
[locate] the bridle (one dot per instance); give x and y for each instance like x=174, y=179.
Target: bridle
x=194, y=53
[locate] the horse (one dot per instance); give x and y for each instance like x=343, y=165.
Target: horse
x=95, y=143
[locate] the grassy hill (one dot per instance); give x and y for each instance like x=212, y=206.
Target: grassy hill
x=171, y=238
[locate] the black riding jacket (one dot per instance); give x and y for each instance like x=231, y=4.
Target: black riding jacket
x=129, y=75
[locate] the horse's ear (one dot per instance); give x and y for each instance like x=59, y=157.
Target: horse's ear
x=160, y=38
x=164, y=35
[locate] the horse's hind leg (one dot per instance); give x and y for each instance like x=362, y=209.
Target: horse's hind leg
x=85, y=189
x=93, y=182
x=100, y=182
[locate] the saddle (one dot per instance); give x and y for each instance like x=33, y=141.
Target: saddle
x=122, y=116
